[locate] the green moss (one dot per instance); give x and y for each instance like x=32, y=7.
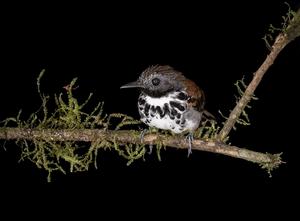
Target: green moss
x=131, y=152
x=290, y=26
x=243, y=119
x=208, y=131
x=69, y=114
x=274, y=164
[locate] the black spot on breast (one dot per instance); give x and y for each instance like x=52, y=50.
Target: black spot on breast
x=183, y=122
x=141, y=108
x=146, y=111
x=177, y=105
x=177, y=121
x=173, y=112
x=166, y=109
x=178, y=115
x=182, y=96
x=158, y=110
x=141, y=101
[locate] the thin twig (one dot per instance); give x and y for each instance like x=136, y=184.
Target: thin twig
x=280, y=43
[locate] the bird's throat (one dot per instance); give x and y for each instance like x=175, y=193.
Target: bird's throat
x=157, y=93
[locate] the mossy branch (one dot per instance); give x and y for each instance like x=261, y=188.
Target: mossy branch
x=289, y=31
x=124, y=137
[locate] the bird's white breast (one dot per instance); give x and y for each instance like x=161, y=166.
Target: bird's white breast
x=154, y=101
x=167, y=119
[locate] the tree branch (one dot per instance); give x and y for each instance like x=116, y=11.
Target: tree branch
x=291, y=32
x=279, y=44
x=123, y=137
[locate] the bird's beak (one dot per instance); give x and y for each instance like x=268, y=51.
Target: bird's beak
x=135, y=84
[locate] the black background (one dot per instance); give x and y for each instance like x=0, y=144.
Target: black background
x=214, y=43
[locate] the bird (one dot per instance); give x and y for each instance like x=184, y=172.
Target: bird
x=170, y=101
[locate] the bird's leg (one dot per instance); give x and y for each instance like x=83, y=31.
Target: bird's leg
x=189, y=138
x=151, y=130
x=150, y=148
x=144, y=131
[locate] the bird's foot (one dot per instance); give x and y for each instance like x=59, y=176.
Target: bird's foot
x=142, y=139
x=189, y=138
x=142, y=135
x=150, y=148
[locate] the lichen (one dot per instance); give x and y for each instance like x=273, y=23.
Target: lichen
x=273, y=164
x=69, y=114
x=290, y=26
x=208, y=130
x=131, y=152
x=243, y=119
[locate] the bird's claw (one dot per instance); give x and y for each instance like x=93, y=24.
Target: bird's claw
x=142, y=135
x=150, y=148
x=189, y=138
x=142, y=140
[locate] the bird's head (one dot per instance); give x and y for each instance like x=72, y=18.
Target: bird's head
x=158, y=80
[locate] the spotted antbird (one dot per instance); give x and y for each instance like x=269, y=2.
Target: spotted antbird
x=170, y=101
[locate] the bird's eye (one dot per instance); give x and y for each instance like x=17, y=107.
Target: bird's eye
x=155, y=81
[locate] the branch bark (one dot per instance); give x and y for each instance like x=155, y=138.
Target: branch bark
x=125, y=136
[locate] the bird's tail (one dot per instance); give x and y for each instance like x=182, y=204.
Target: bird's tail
x=208, y=116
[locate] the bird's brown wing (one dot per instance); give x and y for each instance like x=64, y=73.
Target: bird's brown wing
x=196, y=95
x=197, y=100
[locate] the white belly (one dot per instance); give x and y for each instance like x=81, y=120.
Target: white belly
x=164, y=123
